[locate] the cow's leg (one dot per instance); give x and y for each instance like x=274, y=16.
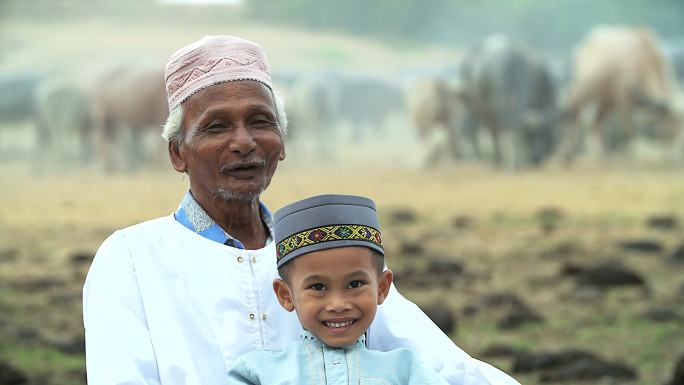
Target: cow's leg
x=107, y=144
x=453, y=141
x=136, y=147
x=469, y=131
x=495, y=132
x=598, y=126
x=676, y=138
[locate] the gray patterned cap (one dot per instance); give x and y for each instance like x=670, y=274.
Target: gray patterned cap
x=324, y=222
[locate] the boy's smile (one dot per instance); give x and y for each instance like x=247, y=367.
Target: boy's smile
x=335, y=292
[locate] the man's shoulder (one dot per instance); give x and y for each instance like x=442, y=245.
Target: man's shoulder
x=148, y=225
x=138, y=232
x=161, y=225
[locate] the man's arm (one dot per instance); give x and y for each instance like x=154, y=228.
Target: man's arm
x=118, y=345
x=399, y=323
x=240, y=374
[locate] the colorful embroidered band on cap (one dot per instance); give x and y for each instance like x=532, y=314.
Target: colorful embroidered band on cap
x=327, y=234
x=213, y=60
x=325, y=222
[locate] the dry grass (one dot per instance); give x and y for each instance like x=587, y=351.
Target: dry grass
x=46, y=219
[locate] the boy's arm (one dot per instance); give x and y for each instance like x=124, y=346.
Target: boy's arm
x=400, y=323
x=422, y=374
x=118, y=344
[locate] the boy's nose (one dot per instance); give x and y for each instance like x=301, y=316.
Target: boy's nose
x=338, y=303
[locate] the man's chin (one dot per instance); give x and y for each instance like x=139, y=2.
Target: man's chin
x=238, y=195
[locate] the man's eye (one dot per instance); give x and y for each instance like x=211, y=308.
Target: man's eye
x=215, y=127
x=355, y=284
x=317, y=286
x=263, y=123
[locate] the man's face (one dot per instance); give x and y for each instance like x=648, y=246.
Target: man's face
x=335, y=292
x=231, y=143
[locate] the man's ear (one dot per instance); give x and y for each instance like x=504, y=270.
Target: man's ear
x=282, y=153
x=176, y=157
x=384, y=283
x=282, y=291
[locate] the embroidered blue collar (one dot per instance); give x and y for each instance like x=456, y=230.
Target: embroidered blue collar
x=308, y=337
x=191, y=215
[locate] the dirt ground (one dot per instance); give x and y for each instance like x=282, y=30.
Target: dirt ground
x=509, y=233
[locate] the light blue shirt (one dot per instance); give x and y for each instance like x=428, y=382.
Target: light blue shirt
x=309, y=361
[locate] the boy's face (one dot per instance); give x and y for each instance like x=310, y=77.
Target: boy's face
x=335, y=292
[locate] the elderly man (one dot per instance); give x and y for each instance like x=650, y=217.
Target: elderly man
x=177, y=299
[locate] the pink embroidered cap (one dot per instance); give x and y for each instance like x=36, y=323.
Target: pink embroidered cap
x=212, y=60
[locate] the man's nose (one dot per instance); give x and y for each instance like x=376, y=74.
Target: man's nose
x=242, y=141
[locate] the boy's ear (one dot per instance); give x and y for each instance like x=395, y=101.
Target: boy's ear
x=384, y=283
x=282, y=291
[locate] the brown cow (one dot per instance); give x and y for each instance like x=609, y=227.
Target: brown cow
x=619, y=72
x=433, y=105
x=130, y=103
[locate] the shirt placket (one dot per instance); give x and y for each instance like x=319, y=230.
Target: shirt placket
x=335, y=362
x=259, y=315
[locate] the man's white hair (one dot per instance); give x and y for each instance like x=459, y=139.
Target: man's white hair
x=172, y=130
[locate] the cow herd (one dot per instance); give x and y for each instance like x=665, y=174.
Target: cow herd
x=502, y=102
x=111, y=118
x=619, y=88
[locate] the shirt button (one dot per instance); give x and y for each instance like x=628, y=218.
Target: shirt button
x=264, y=316
x=251, y=316
x=239, y=259
x=253, y=259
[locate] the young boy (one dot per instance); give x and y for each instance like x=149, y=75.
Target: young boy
x=331, y=262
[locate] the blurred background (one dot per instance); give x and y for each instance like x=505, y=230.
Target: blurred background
x=526, y=157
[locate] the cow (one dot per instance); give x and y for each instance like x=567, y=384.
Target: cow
x=17, y=108
x=313, y=103
x=129, y=103
x=618, y=73
x=508, y=88
x=367, y=102
x=64, y=123
x=433, y=106
x=326, y=107
x=17, y=95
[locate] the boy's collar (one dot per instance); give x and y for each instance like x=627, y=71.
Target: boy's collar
x=308, y=337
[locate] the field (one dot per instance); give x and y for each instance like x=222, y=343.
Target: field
x=489, y=223
x=503, y=260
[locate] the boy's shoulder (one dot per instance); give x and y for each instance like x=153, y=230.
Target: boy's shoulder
x=266, y=358
x=398, y=354
x=403, y=365
x=267, y=355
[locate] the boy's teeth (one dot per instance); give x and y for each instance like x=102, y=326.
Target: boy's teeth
x=338, y=324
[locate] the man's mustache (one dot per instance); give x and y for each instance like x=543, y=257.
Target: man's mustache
x=240, y=164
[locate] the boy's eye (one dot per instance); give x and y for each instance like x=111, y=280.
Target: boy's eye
x=317, y=286
x=355, y=284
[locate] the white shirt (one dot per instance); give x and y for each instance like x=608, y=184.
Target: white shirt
x=164, y=305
